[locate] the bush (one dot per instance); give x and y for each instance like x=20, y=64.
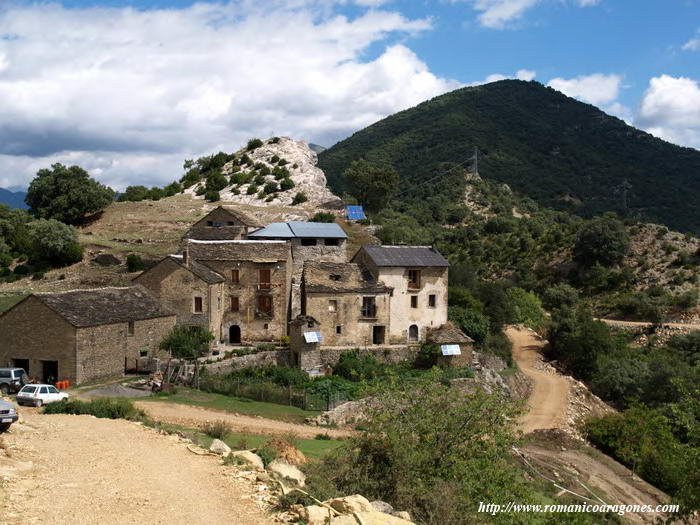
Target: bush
x=212, y=196
x=471, y=322
x=603, y=240
x=259, y=179
x=271, y=187
x=254, y=144
x=323, y=216
x=54, y=243
x=134, y=263
x=38, y=276
x=299, y=198
x=216, y=429
x=267, y=453
x=286, y=184
x=106, y=408
x=527, y=307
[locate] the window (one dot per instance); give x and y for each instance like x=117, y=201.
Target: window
x=308, y=242
x=210, y=223
x=130, y=328
x=229, y=223
x=4, y=373
x=335, y=277
x=53, y=390
x=235, y=276
x=198, y=305
x=332, y=305
x=414, y=301
x=432, y=300
x=266, y=326
x=44, y=390
x=369, y=307
x=339, y=329
x=235, y=304
x=413, y=332
x=265, y=278
x=331, y=242
x=218, y=303
x=414, y=278
x=143, y=352
x=264, y=305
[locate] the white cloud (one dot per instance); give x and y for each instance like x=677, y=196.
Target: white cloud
x=497, y=14
x=595, y=89
x=131, y=93
x=521, y=74
x=670, y=109
x=692, y=45
x=525, y=74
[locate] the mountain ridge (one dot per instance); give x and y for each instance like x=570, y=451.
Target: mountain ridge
x=563, y=153
x=14, y=199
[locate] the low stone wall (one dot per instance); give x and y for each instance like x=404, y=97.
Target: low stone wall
x=260, y=359
x=391, y=355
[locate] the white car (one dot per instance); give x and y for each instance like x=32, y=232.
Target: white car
x=38, y=395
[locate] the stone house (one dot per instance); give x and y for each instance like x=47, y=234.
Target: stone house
x=253, y=305
x=455, y=348
x=193, y=291
x=83, y=334
x=350, y=305
x=223, y=223
x=418, y=277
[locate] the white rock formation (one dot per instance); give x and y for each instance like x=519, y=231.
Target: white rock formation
x=301, y=164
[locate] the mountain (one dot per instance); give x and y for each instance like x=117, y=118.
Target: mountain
x=13, y=199
x=316, y=148
x=560, y=152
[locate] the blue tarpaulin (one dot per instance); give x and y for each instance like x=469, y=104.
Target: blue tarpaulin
x=355, y=213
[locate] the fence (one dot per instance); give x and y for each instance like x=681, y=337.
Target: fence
x=266, y=391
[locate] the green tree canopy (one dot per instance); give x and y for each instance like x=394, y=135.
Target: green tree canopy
x=66, y=194
x=54, y=243
x=187, y=342
x=603, y=240
x=372, y=185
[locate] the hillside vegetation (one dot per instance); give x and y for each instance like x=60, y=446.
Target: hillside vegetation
x=560, y=152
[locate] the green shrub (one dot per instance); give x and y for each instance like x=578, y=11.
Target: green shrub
x=471, y=322
x=267, y=453
x=252, y=189
x=134, y=263
x=275, y=159
x=323, y=216
x=217, y=429
x=106, y=408
x=22, y=270
x=323, y=437
x=271, y=187
x=254, y=144
x=299, y=198
x=38, y=276
x=282, y=162
x=259, y=179
x=286, y=184
x=212, y=196
x=274, y=140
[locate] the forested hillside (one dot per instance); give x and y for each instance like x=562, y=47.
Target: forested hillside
x=562, y=153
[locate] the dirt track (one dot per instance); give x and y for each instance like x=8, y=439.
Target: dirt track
x=80, y=470
x=548, y=401
x=192, y=416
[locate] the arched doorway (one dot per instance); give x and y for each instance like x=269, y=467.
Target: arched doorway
x=234, y=334
x=413, y=332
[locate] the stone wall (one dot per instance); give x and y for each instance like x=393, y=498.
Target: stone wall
x=390, y=355
x=32, y=331
x=147, y=337
x=100, y=351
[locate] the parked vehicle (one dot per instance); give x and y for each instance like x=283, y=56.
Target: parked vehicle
x=38, y=395
x=8, y=415
x=12, y=379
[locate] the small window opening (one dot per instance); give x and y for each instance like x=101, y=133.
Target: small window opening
x=414, y=301
x=414, y=278
x=308, y=242
x=235, y=276
x=335, y=277
x=130, y=329
x=235, y=304
x=143, y=352
x=198, y=305
x=339, y=329
x=331, y=242
x=332, y=305
x=432, y=300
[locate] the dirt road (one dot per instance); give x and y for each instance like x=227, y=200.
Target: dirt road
x=192, y=416
x=78, y=470
x=548, y=401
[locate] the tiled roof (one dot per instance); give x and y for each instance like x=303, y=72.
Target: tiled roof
x=299, y=229
x=330, y=277
x=447, y=334
x=404, y=255
x=205, y=273
x=83, y=308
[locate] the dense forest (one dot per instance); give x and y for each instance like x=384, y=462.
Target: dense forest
x=562, y=153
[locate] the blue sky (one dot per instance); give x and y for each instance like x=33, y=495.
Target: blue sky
x=129, y=89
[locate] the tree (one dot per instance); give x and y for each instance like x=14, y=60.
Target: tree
x=372, y=185
x=54, y=243
x=66, y=194
x=134, y=263
x=471, y=322
x=187, y=342
x=134, y=194
x=527, y=307
x=603, y=240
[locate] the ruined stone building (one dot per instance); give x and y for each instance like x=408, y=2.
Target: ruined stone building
x=83, y=334
x=223, y=223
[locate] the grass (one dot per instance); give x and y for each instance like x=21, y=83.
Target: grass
x=7, y=301
x=238, y=405
x=312, y=448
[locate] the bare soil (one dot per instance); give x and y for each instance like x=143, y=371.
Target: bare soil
x=62, y=469
x=548, y=401
x=191, y=416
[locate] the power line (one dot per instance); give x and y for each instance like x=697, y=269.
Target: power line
x=436, y=176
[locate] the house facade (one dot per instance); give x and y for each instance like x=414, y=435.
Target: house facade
x=223, y=223
x=85, y=334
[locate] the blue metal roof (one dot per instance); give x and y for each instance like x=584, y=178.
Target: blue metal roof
x=277, y=230
x=288, y=230
x=355, y=213
x=317, y=229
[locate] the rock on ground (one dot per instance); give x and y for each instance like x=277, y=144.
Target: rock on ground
x=350, y=504
x=250, y=458
x=219, y=447
x=286, y=473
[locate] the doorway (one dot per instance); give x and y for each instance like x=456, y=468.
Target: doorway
x=378, y=335
x=49, y=371
x=21, y=363
x=234, y=334
x=413, y=332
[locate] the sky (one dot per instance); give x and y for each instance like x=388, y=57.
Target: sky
x=129, y=89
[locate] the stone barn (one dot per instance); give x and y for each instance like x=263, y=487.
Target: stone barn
x=305, y=342
x=454, y=346
x=223, y=223
x=82, y=335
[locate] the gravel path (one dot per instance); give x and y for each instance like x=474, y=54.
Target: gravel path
x=82, y=470
x=548, y=401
